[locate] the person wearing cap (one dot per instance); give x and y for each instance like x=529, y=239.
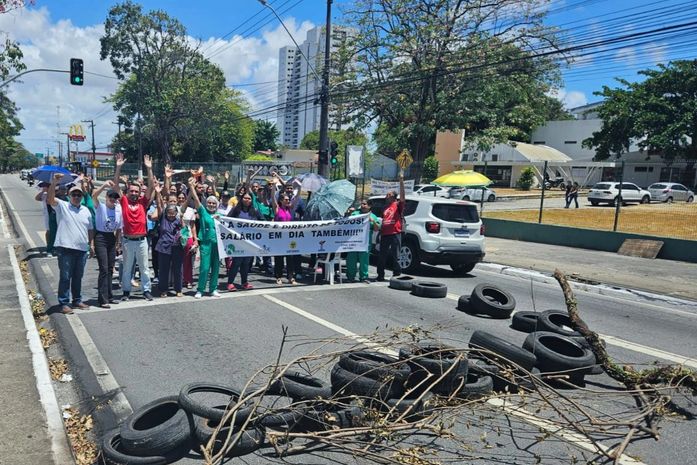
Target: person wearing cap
x=107, y=238
x=73, y=239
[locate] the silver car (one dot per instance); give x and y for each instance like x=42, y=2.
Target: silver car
x=609, y=193
x=475, y=195
x=670, y=191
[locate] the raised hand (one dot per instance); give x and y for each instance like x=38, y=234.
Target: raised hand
x=226, y=175
x=109, y=183
x=191, y=181
x=147, y=161
x=158, y=187
x=124, y=178
x=57, y=177
x=120, y=160
x=210, y=179
x=169, y=172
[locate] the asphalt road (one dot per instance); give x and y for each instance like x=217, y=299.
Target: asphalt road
x=153, y=348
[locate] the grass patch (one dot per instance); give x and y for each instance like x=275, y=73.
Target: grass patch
x=662, y=220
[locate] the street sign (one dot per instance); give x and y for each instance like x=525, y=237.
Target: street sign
x=76, y=133
x=39, y=155
x=404, y=159
x=95, y=163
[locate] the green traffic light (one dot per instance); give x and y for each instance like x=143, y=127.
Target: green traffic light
x=77, y=79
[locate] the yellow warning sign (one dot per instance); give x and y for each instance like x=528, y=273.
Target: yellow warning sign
x=95, y=164
x=404, y=159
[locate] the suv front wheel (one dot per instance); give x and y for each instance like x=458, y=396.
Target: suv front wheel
x=408, y=256
x=462, y=269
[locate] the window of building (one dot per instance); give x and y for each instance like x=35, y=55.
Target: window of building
x=495, y=157
x=570, y=142
x=464, y=157
x=538, y=142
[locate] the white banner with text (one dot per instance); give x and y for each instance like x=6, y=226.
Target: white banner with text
x=378, y=187
x=247, y=238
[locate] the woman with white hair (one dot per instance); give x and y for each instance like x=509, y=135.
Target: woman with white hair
x=207, y=243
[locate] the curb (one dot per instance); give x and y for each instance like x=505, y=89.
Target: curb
x=608, y=290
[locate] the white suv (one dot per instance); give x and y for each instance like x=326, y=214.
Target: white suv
x=439, y=232
x=609, y=192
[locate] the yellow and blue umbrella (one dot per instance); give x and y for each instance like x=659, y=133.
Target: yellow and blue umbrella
x=463, y=178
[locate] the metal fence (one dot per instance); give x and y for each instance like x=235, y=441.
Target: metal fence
x=666, y=210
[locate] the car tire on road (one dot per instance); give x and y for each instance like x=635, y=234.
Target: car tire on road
x=249, y=441
x=492, y=347
x=476, y=385
x=429, y=289
x=416, y=407
x=401, y=282
x=300, y=386
x=462, y=269
x=190, y=405
x=645, y=199
x=436, y=360
x=525, y=321
x=555, y=352
x=491, y=300
x=690, y=199
x=594, y=203
x=115, y=455
x=463, y=304
x=408, y=256
x=556, y=321
x=346, y=383
x=375, y=365
x=281, y=417
x=159, y=428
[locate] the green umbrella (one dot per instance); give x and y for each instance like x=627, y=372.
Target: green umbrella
x=331, y=201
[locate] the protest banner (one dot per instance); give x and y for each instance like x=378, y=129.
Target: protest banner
x=247, y=238
x=378, y=187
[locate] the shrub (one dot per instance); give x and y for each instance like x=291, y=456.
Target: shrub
x=527, y=178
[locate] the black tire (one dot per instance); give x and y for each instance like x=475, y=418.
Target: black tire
x=690, y=199
x=476, y=385
x=249, y=441
x=401, y=283
x=281, y=417
x=594, y=203
x=114, y=455
x=157, y=428
x=491, y=198
x=300, y=386
x=429, y=289
x=669, y=200
x=435, y=360
x=463, y=304
x=555, y=352
x=555, y=321
x=375, y=365
x=507, y=351
x=525, y=321
x=350, y=417
x=346, y=383
x=491, y=300
x=645, y=199
x=213, y=413
x=462, y=269
x=466, y=198
x=416, y=408
x=409, y=255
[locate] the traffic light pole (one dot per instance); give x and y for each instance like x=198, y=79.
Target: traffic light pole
x=93, y=170
x=323, y=165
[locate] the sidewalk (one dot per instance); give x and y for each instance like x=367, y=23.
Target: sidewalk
x=24, y=435
x=667, y=277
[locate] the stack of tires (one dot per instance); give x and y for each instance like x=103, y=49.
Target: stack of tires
x=429, y=289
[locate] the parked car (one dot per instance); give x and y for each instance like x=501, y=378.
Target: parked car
x=609, y=193
x=23, y=174
x=670, y=191
x=475, y=195
x=432, y=190
x=438, y=232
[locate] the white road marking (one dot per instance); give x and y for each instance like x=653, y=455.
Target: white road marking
x=47, y=395
x=106, y=380
x=567, y=435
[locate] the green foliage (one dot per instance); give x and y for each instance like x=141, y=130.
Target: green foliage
x=657, y=113
x=265, y=135
x=430, y=169
x=186, y=111
x=259, y=157
x=425, y=69
x=343, y=138
x=526, y=179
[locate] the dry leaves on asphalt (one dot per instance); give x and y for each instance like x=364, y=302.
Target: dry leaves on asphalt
x=58, y=367
x=78, y=426
x=48, y=337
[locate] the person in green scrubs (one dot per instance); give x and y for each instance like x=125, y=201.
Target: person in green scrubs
x=352, y=258
x=207, y=243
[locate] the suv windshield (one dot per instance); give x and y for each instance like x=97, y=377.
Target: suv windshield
x=602, y=186
x=456, y=213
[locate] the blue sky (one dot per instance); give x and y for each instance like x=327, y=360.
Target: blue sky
x=51, y=31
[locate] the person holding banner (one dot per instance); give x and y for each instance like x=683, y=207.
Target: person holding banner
x=283, y=209
x=352, y=258
x=246, y=211
x=207, y=241
x=391, y=230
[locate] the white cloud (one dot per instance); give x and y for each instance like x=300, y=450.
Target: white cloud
x=570, y=99
x=50, y=44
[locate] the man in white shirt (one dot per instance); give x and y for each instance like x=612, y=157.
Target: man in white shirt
x=73, y=239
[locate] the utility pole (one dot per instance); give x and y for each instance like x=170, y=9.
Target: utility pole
x=67, y=145
x=323, y=166
x=93, y=170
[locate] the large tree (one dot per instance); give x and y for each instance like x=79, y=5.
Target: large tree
x=343, y=139
x=186, y=112
x=659, y=114
x=424, y=66
x=265, y=135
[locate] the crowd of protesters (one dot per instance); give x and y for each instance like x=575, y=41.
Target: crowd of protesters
x=135, y=223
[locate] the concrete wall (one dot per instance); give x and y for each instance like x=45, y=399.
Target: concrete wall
x=608, y=241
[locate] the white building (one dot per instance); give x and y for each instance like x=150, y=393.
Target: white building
x=299, y=88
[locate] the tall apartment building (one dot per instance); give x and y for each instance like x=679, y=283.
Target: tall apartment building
x=299, y=88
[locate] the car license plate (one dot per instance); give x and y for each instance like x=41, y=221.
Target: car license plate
x=462, y=232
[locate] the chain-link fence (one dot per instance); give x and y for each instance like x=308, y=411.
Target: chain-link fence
x=620, y=200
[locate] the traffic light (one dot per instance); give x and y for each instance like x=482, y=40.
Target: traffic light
x=76, y=72
x=332, y=153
